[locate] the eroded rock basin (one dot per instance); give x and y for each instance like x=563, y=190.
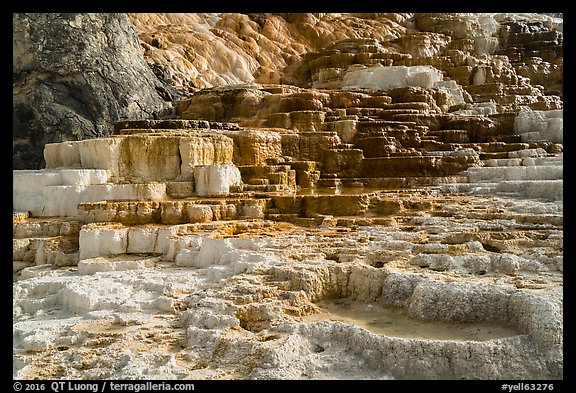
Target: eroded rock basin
x=393, y=322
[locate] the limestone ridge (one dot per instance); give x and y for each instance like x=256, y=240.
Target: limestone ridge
x=402, y=164
x=74, y=74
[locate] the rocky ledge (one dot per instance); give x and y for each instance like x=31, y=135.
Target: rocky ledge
x=399, y=216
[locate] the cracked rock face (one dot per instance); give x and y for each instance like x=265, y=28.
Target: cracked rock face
x=74, y=74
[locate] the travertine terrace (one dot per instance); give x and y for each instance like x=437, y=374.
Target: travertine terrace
x=269, y=227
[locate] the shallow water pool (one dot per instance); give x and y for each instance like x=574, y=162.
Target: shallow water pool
x=394, y=322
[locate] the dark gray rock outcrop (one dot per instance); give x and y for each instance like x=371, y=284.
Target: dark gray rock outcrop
x=74, y=75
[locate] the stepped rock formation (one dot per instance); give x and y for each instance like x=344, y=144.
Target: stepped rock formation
x=334, y=196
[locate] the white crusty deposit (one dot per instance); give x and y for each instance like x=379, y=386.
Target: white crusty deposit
x=216, y=179
x=161, y=156
x=540, y=125
x=383, y=78
x=182, y=302
x=57, y=192
x=105, y=170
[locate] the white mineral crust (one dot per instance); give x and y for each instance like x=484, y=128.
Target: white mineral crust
x=57, y=192
x=169, y=314
x=540, y=125
x=216, y=179
x=391, y=77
